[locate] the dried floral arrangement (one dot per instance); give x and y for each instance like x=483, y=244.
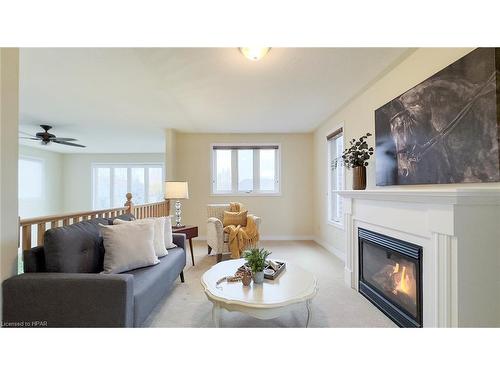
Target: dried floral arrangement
x=357, y=155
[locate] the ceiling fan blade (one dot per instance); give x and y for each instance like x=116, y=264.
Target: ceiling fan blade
x=66, y=143
x=33, y=138
x=64, y=139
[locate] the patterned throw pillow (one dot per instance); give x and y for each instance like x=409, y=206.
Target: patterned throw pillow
x=235, y=218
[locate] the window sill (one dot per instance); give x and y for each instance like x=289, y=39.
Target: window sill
x=245, y=194
x=337, y=224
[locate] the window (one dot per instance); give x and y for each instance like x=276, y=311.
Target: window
x=335, y=176
x=245, y=169
x=112, y=181
x=31, y=195
x=30, y=178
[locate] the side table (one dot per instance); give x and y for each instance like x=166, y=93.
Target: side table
x=191, y=231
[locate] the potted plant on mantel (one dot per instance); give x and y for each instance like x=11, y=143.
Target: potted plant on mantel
x=356, y=157
x=256, y=260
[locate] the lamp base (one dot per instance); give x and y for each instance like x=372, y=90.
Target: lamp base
x=178, y=212
x=178, y=226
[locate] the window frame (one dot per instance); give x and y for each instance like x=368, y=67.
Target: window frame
x=256, y=170
x=339, y=223
x=43, y=168
x=129, y=166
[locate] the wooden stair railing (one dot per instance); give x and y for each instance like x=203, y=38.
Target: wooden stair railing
x=34, y=228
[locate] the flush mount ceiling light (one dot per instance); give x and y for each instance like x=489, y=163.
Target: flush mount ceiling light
x=254, y=53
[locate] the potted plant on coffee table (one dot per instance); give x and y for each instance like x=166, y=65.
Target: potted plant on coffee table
x=256, y=260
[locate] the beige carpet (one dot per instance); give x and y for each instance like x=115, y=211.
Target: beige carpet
x=335, y=305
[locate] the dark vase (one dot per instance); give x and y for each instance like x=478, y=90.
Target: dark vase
x=359, y=178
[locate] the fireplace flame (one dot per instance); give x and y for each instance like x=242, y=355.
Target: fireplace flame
x=404, y=283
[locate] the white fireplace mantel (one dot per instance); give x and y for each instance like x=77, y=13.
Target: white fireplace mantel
x=440, y=196
x=459, y=231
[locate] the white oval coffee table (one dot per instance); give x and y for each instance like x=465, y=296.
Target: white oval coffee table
x=263, y=301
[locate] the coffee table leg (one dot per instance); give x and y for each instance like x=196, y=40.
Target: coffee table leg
x=309, y=312
x=216, y=315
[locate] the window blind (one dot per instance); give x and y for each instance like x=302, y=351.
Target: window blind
x=245, y=147
x=335, y=134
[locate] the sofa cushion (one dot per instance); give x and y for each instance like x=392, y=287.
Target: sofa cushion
x=34, y=260
x=124, y=217
x=152, y=283
x=75, y=248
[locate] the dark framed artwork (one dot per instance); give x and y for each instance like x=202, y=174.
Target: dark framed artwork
x=445, y=129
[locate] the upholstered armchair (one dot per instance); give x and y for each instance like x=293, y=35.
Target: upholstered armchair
x=217, y=240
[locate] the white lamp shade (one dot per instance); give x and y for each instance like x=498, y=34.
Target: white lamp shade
x=176, y=190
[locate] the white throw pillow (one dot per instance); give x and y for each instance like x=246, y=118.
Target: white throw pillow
x=127, y=247
x=169, y=239
x=159, y=232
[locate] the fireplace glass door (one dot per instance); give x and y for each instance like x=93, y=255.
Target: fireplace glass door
x=390, y=276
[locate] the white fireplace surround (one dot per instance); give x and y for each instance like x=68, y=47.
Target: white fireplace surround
x=459, y=231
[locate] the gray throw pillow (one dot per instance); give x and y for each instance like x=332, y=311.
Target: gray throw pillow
x=124, y=217
x=75, y=248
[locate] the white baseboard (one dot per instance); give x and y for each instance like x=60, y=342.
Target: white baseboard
x=272, y=238
x=287, y=238
x=338, y=253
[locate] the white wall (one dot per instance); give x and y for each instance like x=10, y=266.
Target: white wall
x=288, y=215
x=77, y=175
x=358, y=118
x=52, y=200
x=170, y=147
x=68, y=179
x=9, y=113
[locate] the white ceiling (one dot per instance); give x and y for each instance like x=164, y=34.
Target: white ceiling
x=121, y=99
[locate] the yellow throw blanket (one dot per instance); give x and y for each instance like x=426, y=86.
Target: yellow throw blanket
x=241, y=237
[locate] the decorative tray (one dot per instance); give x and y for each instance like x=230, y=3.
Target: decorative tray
x=272, y=273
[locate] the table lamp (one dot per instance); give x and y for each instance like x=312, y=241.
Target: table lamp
x=177, y=190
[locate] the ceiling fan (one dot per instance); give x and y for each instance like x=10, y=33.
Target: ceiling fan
x=46, y=137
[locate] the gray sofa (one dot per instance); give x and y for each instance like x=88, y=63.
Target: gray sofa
x=62, y=286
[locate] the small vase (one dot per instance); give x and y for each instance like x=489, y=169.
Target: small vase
x=359, y=178
x=258, y=277
x=247, y=279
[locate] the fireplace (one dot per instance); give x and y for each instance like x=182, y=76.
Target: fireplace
x=390, y=276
